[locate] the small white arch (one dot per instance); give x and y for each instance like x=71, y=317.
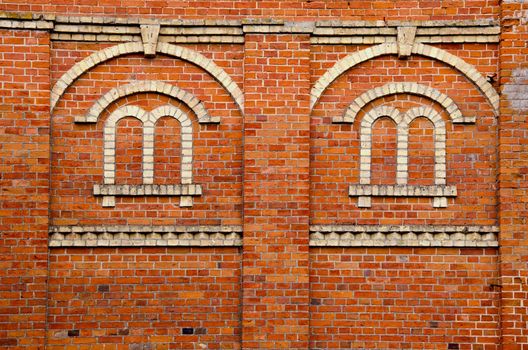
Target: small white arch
x=366, y=138
x=439, y=139
x=186, y=54
x=147, y=86
x=186, y=138
x=110, y=136
x=441, y=55
x=400, y=88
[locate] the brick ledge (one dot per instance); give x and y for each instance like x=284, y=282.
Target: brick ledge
x=403, y=236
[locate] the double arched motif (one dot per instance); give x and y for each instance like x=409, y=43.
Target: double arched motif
x=67, y=79
x=358, y=57
x=186, y=189
x=147, y=86
x=439, y=191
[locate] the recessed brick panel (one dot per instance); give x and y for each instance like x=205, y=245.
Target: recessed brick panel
x=403, y=298
x=116, y=296
x=78, y=148
x=335, y=148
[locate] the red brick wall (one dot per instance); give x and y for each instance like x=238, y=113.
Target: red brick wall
x=296, y=9
x=275, y=168
x=404, y=298
x=77, y=156
x=148, y=298
x=513, y=208
x=24, y=186
x=471, y=155
x=275, y=252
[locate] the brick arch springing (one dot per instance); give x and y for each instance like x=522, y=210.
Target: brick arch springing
x=350, y=61
x=186, y=54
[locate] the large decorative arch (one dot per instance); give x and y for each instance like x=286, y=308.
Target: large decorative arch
x=439, y=192
x=186, y=54
x=392, y=49
x=147, y=86
x=401, y=88
x=186, y=189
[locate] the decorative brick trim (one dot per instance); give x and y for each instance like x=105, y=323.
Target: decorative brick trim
x=358, y=57
x=403, y=236
x=402, y=191
x=144, y=236
x=186, y=190
x=148, y=190
x=439, y=192
x=149, y=36
x=112, y=29
x=377, y=32
x=406, y=37
x=268, y=26
x=439, y=140
x=183, y=53
x=148, y=86
x=403, y=88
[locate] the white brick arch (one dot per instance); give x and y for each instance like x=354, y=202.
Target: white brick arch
x=147, y=86
x=186, y=54
x=404, y=88
x=366, y=138
x=350, y=61
x=439, y=140
x=186, y=189
x=110, y=137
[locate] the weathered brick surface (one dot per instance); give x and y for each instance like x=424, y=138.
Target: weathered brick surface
x=296, y=9
x=150, y=298
x=276, y=159
x=24, y=183
x=513, y=180
x=276, y=167
x=404, y=298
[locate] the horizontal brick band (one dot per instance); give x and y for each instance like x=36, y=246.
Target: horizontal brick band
x=403, y=236
x=136, y=235
x=402, y=191
x=148, y=190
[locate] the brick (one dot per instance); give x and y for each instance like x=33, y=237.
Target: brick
x=273, y=252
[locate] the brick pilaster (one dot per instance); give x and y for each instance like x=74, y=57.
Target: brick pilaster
x=276, y=192
x=513, y=180
x=24, y=187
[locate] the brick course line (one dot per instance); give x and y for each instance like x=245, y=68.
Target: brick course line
x=144, y=236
